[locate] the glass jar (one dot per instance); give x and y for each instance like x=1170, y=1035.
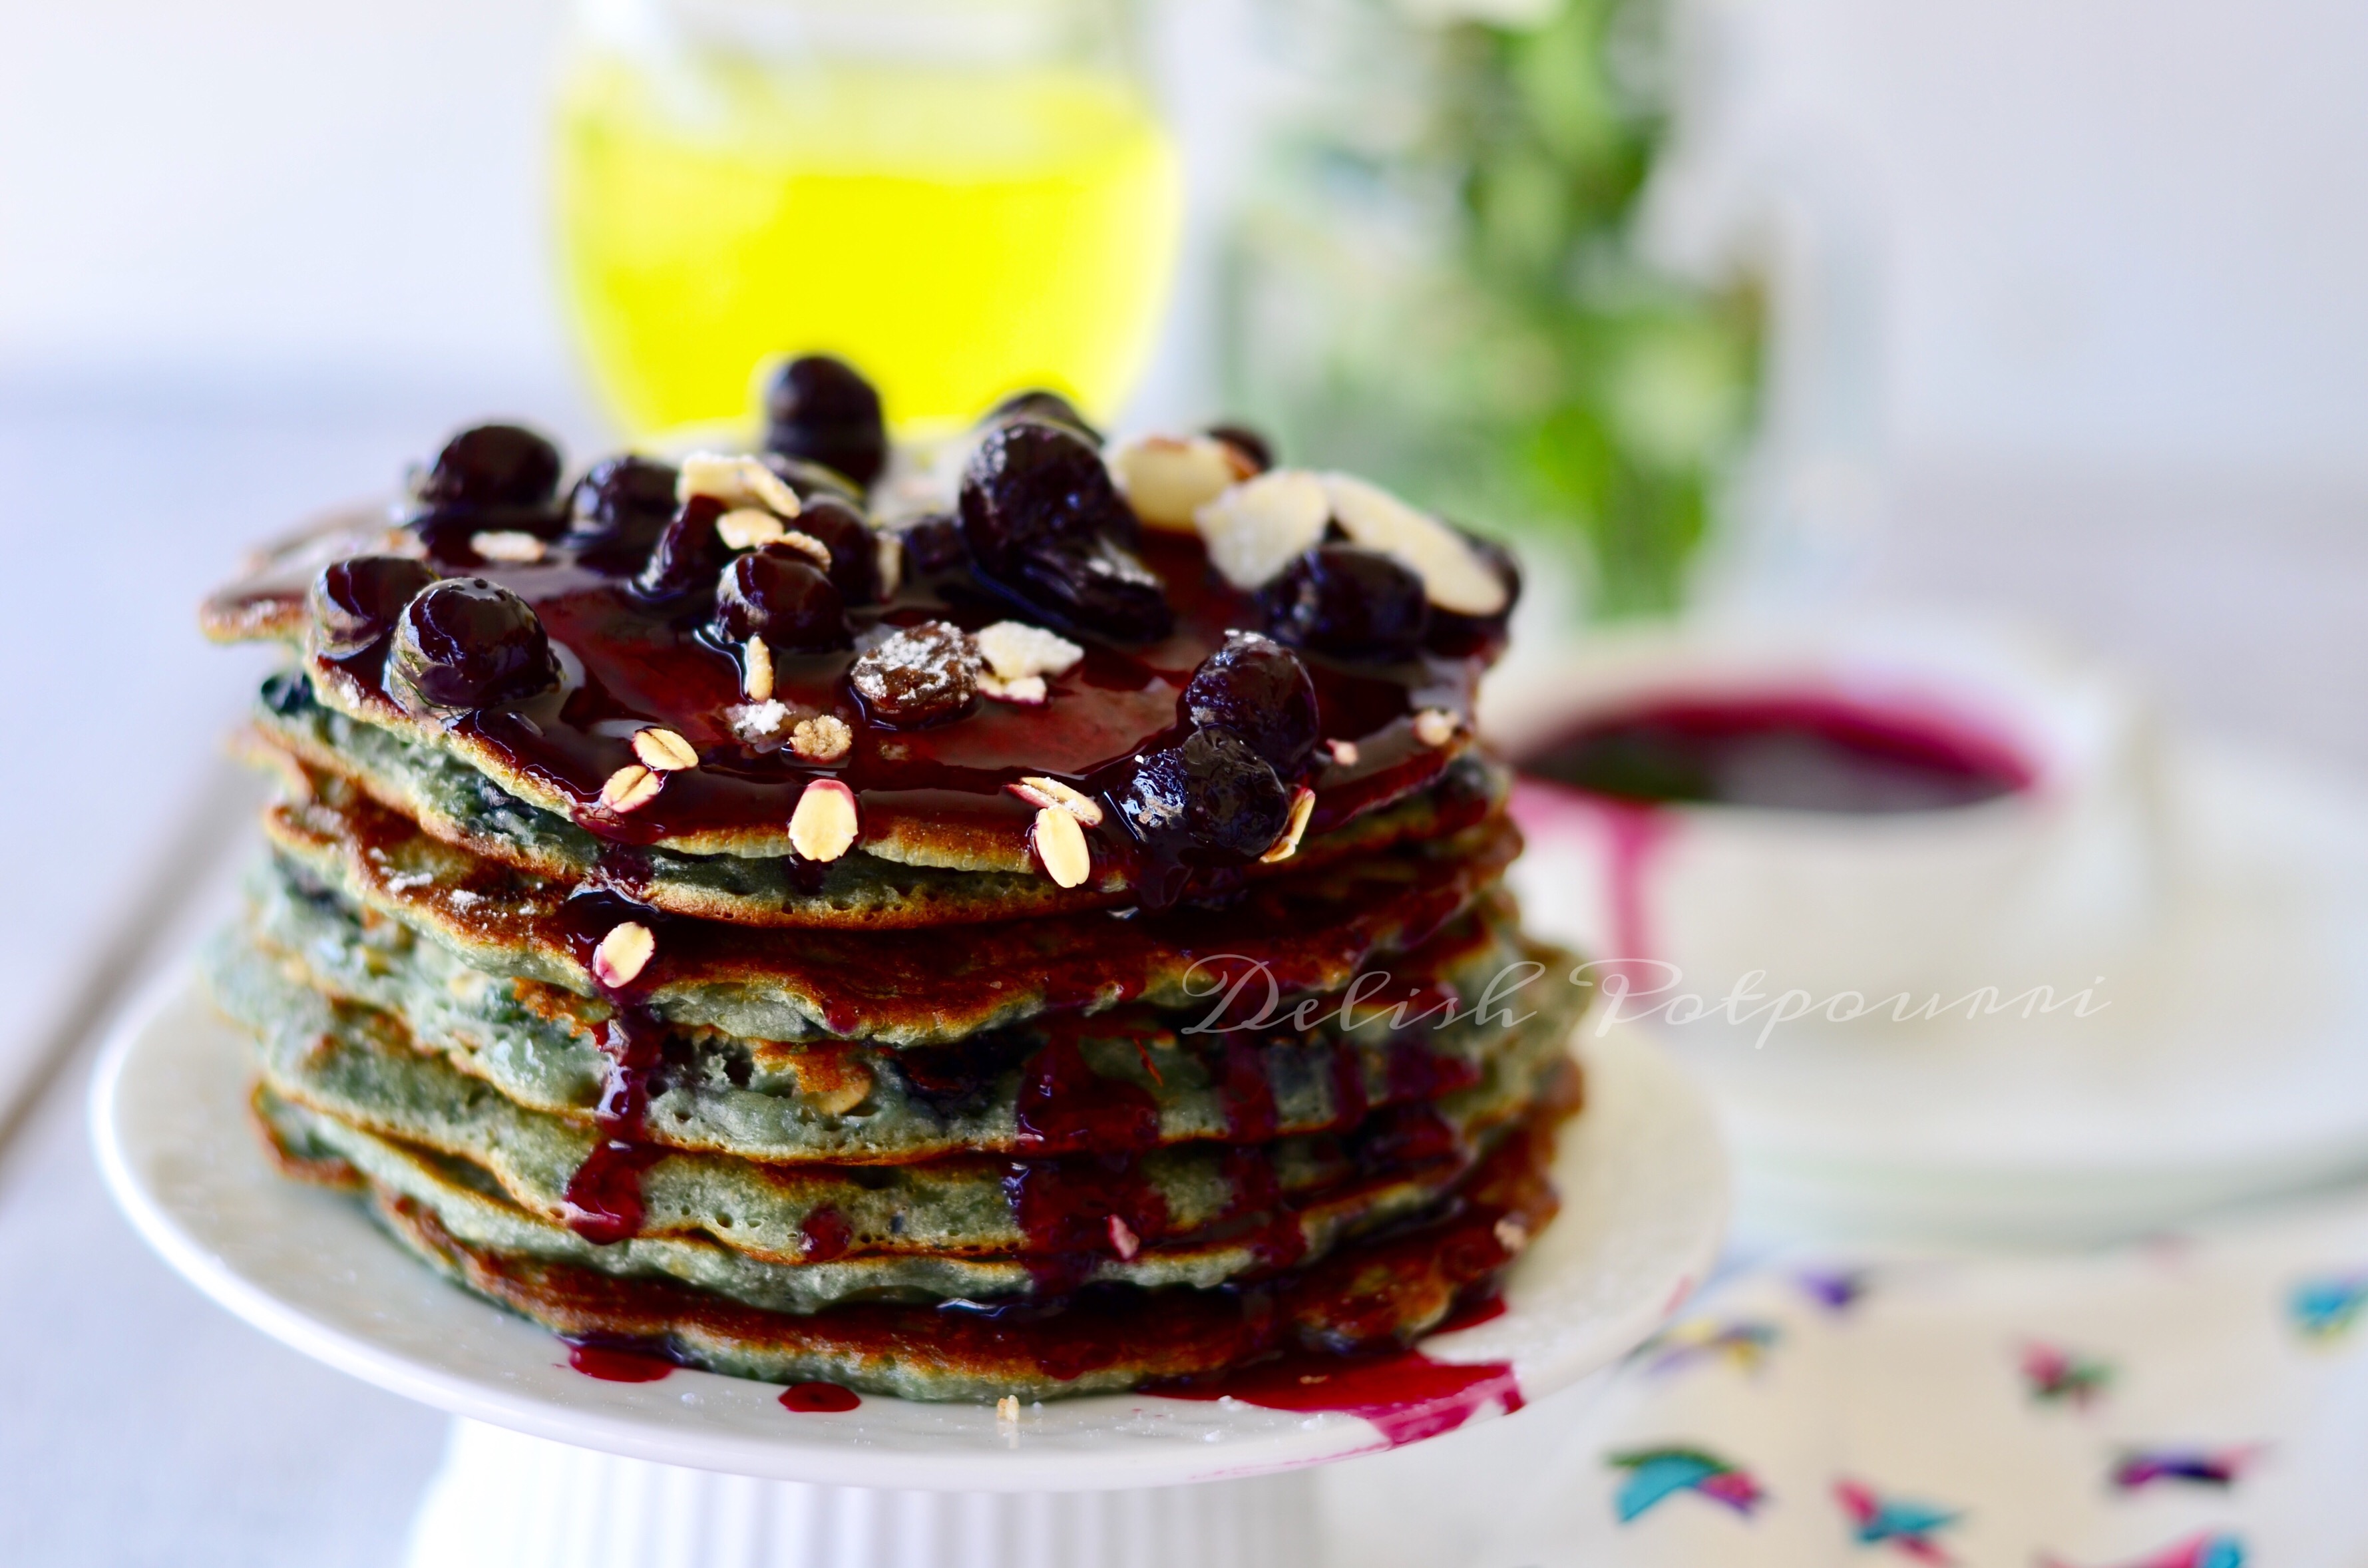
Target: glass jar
x=961, y=197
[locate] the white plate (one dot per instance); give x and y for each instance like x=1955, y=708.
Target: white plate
x=1641, y=1171
x=2229, y=1063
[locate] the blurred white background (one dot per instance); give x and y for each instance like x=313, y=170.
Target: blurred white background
x=2108, y=257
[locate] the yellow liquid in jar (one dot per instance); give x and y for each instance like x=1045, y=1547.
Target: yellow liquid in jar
x=956, y=234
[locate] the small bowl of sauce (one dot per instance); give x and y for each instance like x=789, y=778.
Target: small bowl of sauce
x=1869, y=813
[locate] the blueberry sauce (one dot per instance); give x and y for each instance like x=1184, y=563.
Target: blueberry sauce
x=819, y=1399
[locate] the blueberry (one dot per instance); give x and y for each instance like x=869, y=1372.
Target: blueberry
x=688, y=556
x=492, y=468
x=854, y=548
x=777, y=594
x=919, y=674
x=820, y=409
x=464, y=642
x=1029, y=485
x=1258, y=688
x=1100, y=587
x=355, y=602
x=1211, y=792
x=287, y=692
x=1043, y=520
x=1344, y=599
x=1044, y=408
x=623, y=501
x=1248, y=442
x=932, y=543
x=1478, y=636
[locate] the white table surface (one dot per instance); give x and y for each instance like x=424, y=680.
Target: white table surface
x=141, y=1426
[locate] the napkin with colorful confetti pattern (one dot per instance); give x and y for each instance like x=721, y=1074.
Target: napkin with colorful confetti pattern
x=2195, y=1401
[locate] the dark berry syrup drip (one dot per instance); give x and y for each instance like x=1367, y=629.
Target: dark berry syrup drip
x=603, y=1201
x=1067, y=1106
x=1405, y=1393
x=618, y=1361
x=819, y=1399
x=824, y=1235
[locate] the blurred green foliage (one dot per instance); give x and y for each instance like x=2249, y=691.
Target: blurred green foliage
x=1438, y=283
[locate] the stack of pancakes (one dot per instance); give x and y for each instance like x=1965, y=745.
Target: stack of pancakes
x=637, y=1003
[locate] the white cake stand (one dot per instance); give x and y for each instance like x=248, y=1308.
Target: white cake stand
x=550, y=1467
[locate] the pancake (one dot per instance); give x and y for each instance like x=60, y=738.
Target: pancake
x=1054, y=945
x=543, y=1049
x=932, y=795
x=1383, y=1292
x=1309, y=933
x=358, y=1067
x=757, y=883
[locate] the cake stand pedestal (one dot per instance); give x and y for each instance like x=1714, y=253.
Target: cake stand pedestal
x=506, y=1500
x=553, y=1469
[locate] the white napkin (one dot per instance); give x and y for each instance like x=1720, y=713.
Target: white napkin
x=2189, y=1402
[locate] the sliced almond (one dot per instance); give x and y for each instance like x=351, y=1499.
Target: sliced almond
x=824, y=825
x=623, y=954
x=735, y=481
x=663, y=750
x=1123, y=1241
x=1006, y=1410
x=1061, y=845
x=832, y=1081
x=1254, y=530
x=1435, y=726
x=509, y=545
x=1343, y=752
x=1028, y=691
x=630, y=787
x=1053, y=792
x=1014, y=649
x=813, y=549
x=1455, y=575
x=746, y=527
x=1167, y=478
x=1302, y=806
x=824, y=738
x=757, y=671
x=1512, y=1232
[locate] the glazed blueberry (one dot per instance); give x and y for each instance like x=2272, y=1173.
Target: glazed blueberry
x=777, y=594
x=1042, y=519
x=1248, y=442
x=819, y=408
x=689, y=553
x=464, y=642
x=1258, y=688
x=1099, y=586
x=919, y=674
x=624, y=500
x=933, y=543
x=1044, y=408
x=1353, y=602
x=492, y=468
x=355, y=602
x=1031, y=486
x=1478, y=636
x=1211, y=792
x=854, y=548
